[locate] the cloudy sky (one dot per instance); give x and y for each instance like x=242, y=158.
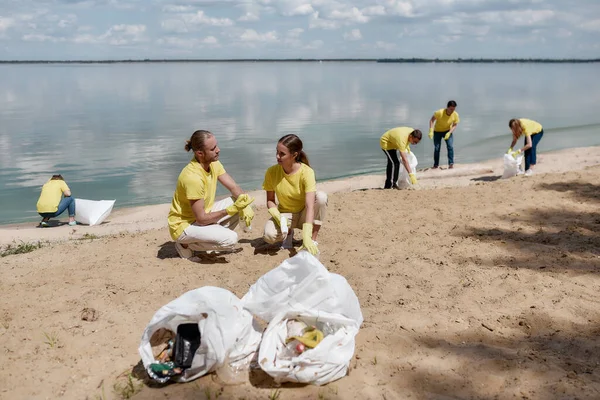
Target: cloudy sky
x=109, y=29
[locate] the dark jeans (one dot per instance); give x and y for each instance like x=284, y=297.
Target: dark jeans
x=531, y=153
x=66, y=202
x=393, y=168
x=437, y=143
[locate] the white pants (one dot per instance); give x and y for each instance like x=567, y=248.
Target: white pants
x=273, y=231
x=219, y=236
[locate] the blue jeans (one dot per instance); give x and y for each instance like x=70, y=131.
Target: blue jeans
x=530, y=153
x=66, y=202
x=437, y=143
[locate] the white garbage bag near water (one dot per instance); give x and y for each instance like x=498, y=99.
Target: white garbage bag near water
x=301, y=288
x=227, y=332
x=512, y=165
x=403, y=178
x=92, y=212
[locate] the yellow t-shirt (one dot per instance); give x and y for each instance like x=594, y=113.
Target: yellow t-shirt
x=194, y=183
x=530, y=127
x=396, y=139
x=51, y=195
x=443, y=121
x=290, y=189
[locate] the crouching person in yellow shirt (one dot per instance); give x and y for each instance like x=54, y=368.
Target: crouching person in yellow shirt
x=394, y=140
x=196, y=221
x=52, y=203
x=292, y=180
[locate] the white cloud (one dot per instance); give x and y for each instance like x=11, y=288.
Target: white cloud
x=315, y=44
x=591, y=26
x=378, y=10
x=302, y=9
x=170, y=8
x=35, y=37
x=174, y=25
x=199, y=18
x=316, y=22
x=294, y=33
x=6, y=23
x=353, y=35
x=188, y=43
x=354, y=15
x=250, y=35
x=116, y=35
x=385, y=45
x=249, y=17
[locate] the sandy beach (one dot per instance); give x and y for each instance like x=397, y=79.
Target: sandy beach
x=471, y=287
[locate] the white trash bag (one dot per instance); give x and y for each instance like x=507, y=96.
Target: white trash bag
x=92, y=212
x=512, y=165
x=227, y=333
x=403, y=178
x=302, y=290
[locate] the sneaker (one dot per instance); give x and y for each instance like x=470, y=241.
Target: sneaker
x=72, y=223
x=435, y=167
x=529, y=172
x=450, y=166
x=520, y=172
x=44, y=224
x=183, y=252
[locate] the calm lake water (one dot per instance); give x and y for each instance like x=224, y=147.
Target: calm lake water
x=117, y=131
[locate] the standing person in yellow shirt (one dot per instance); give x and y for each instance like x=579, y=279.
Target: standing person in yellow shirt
x=394, y=140
x=533, y=132
x=52, y=203
x=196, y=221
x=442, y=125
x=293, y=181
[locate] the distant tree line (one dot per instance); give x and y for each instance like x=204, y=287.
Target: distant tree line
x=379, y=60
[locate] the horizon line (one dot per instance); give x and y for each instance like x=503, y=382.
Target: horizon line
x=379, y=60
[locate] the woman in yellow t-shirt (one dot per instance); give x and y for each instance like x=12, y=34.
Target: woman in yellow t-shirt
x=52, y=203
x=292, y=180
x=533, y=132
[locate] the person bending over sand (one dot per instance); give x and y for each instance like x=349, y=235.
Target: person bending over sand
x=533, y=132
x=52, y=203
x=293, y=181
x=196, y=221
x=446, y=120
x=394, y=140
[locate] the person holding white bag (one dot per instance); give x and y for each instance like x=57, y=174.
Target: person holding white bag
x=300, y=205
x=392, y=141
x=533, y=133
x=196, y=221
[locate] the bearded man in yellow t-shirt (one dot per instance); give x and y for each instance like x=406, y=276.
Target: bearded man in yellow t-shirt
x=196, y=221
x=441, y=126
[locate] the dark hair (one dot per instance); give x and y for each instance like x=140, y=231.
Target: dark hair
x=451, y=103
x=197, y=140
x=57, y=177
x=294, y=145
x=416, y=134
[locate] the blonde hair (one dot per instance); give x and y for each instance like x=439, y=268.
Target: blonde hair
x=197, y=140
x=516, y=128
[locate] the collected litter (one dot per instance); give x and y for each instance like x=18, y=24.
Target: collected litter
x=512, y=165
x=92, y=212
x=404, y=178
x=313, y=317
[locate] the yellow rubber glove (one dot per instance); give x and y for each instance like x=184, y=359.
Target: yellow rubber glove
x=516, y=153
x=276, y=215
x=307, y=243
x=447, y=136
x=413, y=178
x=241, y=202
x=311, y=337
x=247, y=215
x=430, y=133
x=509, y=150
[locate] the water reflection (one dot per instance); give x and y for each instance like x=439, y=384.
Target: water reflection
x=117, y=131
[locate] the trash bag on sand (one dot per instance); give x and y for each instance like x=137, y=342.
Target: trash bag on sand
x=92, y=212
x=302, y=290
x=403, y=178
x=227, y=336
x=512, y=165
